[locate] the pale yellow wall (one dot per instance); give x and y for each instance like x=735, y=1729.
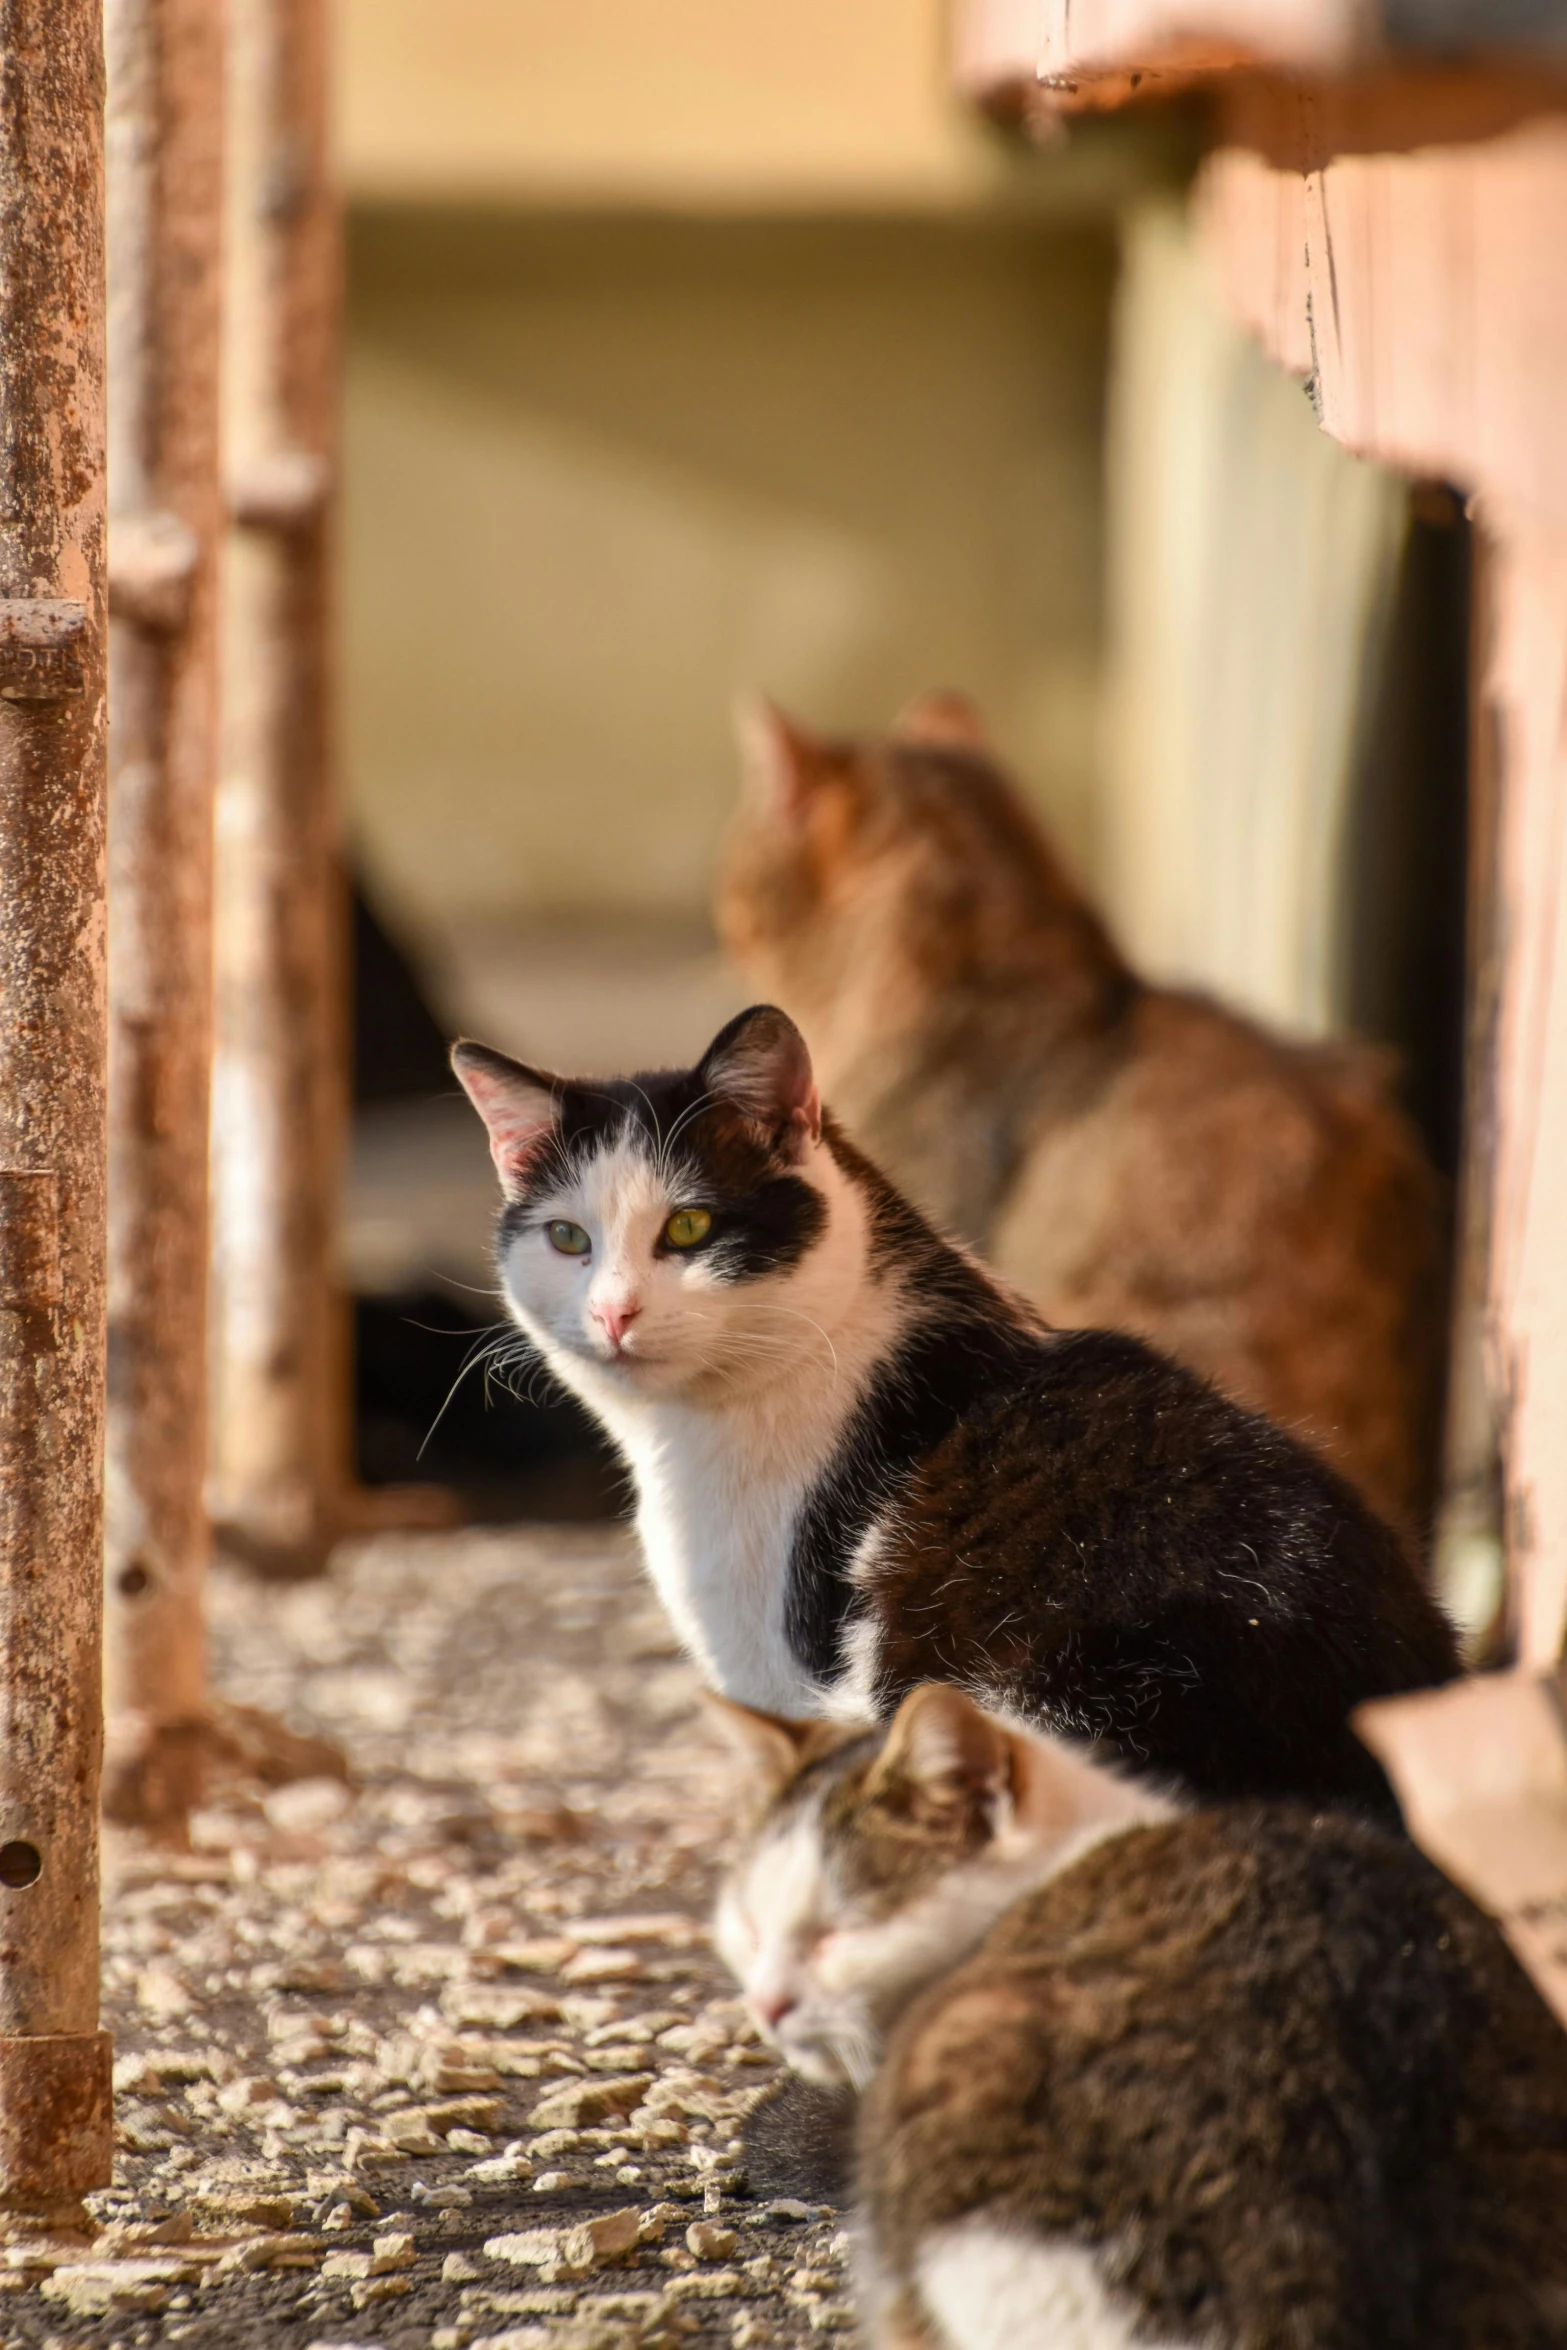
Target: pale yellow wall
x=1252, y=566
x=702, y=102
x=601, y=473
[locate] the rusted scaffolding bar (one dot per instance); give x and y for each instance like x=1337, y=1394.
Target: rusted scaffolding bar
x=54, y=2061
x=165, y=95
x=279, y=1433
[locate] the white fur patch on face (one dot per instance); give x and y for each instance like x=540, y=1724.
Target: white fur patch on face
x=645, y=1320
x=824, y=1984
x=772, y=1917
x=988, y=2286
x=861, y=1973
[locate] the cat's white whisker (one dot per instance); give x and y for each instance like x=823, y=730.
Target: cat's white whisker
x=704, y=1101
x=480, y=1354
x=770, y=1306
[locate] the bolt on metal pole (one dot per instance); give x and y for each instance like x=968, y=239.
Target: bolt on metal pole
x=279, y=1448
x=164, y=149
x=55, y=2136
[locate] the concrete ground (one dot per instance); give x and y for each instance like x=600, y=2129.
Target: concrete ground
x=440, y=2056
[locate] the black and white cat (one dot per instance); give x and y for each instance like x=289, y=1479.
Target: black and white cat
x=1245, y=2078
x=862, y=1463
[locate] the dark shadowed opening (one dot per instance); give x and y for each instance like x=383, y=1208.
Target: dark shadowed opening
x=1406, y=854
x=424, y=1410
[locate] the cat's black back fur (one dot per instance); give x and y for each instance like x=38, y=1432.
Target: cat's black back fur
x=1086, y=1532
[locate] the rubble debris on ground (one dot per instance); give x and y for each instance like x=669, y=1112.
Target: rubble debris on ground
x=439, y=2056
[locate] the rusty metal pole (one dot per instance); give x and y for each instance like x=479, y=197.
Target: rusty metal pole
x=279, y=1397
x=165, y=97
x=54, y=2061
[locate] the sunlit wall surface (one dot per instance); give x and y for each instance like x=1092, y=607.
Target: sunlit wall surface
x=692, y=348
x=605, y=472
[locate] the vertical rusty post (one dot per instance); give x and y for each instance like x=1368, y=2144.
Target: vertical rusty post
x=279, y=1433
x=54, y=2061
x=165, y=96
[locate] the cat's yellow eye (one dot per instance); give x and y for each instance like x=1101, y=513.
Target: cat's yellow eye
x=568, y=1240
x=687, y=1226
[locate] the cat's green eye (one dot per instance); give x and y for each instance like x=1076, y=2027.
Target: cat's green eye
x=687, y=1226
x=568, y=1240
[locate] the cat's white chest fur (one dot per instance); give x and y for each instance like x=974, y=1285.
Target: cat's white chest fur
x=716, y=1513
x=719, y=1499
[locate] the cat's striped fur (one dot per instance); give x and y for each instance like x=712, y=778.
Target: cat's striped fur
x=1250, y=2078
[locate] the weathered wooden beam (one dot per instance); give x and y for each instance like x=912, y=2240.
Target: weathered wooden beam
x=1035, y=58
x=54, y=2062
x=279, y=1398
x=1417, y=290
x=1382, y=211
x=165, y=95
x=1020, y=58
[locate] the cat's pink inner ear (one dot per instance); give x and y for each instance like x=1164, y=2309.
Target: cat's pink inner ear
x=519, y=1108
x=761, y=1064
x=944, y=1744
x=780, y=760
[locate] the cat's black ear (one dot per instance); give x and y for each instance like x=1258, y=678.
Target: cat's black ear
x=770, y=1747
x=947, y=720
x=780, y=760
x=520, y=1107
x=945, y=1747
x=761, y=1064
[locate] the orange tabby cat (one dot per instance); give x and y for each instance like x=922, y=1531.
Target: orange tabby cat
x=1128, y=1155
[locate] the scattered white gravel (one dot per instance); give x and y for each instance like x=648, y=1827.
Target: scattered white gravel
x=438, y=2056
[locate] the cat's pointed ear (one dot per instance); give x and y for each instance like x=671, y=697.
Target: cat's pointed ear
x=946, y=720
x=944, y=1747
x=770, y=1748
x=780, y=760
x=520, y=1108
x=761, y=1064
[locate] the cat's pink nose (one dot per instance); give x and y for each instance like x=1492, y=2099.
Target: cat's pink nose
x=773, y=2006
x=616, y=1319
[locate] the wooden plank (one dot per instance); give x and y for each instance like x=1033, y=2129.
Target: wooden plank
x=1097, y=53
x=1439, y=345
x=1071, y=55
x=1525, y=684
x=1388, y=230
x=1407, y=284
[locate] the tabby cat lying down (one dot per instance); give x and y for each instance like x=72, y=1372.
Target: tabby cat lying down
x=1130, y=1156
x=861, y=1462
x=1238, y=2079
